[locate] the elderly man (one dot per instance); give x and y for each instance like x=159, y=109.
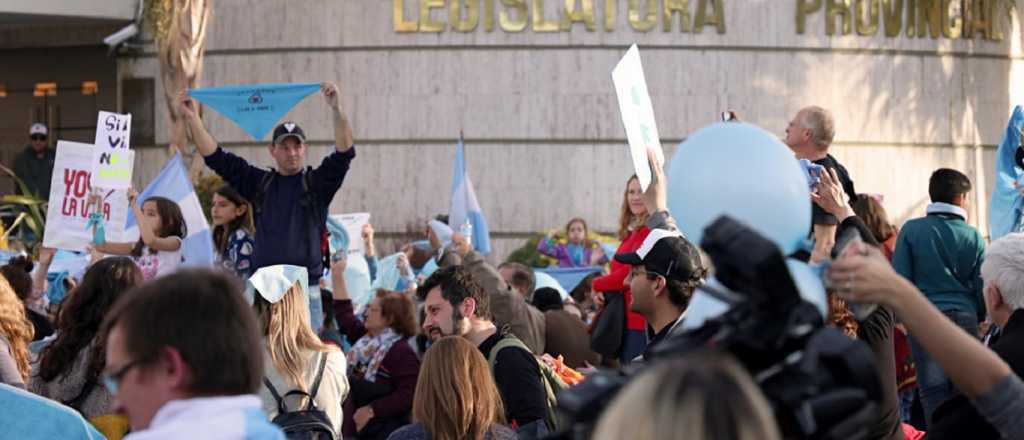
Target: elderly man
x=810, y=135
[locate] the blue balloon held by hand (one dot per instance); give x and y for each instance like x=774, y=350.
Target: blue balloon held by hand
x=745, y=172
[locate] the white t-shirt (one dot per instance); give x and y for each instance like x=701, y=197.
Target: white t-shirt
x=158, y=264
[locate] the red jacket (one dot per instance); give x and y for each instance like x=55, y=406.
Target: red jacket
x=615, y=280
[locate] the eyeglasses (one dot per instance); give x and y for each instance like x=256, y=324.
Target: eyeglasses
x=38, y=137
x=112, y=381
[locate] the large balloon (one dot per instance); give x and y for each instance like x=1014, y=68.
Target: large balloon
x=743, y=171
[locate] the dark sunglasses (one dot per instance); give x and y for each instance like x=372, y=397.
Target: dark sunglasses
x=38, y=137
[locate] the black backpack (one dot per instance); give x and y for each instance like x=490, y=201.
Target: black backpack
x=309, y=423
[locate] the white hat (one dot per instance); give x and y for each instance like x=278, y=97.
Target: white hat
x=37, y=128
x=273, y=282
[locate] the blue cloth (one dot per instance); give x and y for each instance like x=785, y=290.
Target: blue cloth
x=1004, y=215
x=283, y=223
x=388, y=274
x=256, y=108
x=27, y=416
x=569, y=277
x=339, y=236
x=465, y=206
x=55, y=292
x=174, y=183
x=99, y=235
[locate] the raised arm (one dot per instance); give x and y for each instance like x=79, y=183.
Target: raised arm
x=342, y=130
x=188, y=108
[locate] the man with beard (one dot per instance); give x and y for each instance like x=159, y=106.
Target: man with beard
x=455, y=304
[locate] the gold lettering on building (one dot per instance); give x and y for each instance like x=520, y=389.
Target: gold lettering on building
x=673, y=7
x=867, y=16
x=541, y=24
x=649, y=19
x=426, y=23
x=472, y=15
x=582, y=14
x=837, y=9
x=892, y=12
x=509, y=24
x=715, y=16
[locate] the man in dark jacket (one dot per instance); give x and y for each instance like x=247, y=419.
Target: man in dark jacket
x=34, y=165
x=290, y=202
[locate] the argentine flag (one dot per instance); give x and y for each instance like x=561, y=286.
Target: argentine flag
x=1005, y=208
x=465, y=206
x=173, y=183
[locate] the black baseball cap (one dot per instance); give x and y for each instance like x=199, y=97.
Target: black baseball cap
x=289, y=129
x=666, y=253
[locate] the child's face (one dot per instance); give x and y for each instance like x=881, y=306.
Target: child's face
x=224, y=211
x=152, y=216
x=577, y=233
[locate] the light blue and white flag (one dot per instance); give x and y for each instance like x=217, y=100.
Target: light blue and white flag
x=464, y=205
x=1005, y=208
x=256, y=108
x=173, y=183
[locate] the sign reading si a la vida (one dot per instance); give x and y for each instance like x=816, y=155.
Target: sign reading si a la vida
x=967, y=19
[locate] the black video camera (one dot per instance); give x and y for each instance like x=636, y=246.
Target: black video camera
x=820, y=383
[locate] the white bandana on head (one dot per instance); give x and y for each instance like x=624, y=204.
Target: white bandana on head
x=272, y=282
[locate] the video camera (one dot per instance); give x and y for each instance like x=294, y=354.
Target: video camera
x=820, y=383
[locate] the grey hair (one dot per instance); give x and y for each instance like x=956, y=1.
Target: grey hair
x=821, y=124
x=1004, y=268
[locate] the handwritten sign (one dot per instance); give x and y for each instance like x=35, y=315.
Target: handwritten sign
x=112, y=161
x=637, y=114
x=68, y=210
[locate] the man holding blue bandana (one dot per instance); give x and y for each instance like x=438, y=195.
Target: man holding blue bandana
x=291, y=201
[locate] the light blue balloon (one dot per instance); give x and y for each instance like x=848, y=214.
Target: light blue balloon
x=742, y=171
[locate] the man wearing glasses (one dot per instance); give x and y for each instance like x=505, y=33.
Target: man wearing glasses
x=184, y=359
x=34, y=164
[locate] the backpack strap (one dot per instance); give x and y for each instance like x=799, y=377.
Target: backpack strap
x=257, y=199
x=316, y=382
x=277, y=397
x=503, y=343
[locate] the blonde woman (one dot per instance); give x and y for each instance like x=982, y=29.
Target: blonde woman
x=293, y=355
x=15, y=334
x=701, y=397
x=456, y=398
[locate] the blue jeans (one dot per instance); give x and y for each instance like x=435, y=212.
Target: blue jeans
x=907, y=405
x=934, y=386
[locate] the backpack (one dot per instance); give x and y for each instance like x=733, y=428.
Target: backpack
x=553, y=384
x=310, y=204
x=310, y=423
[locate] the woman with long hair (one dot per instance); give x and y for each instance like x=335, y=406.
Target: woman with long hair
x=869, y=209
x=294, y=356
x=382, y=366
x=632, y=231
x=15, y=334
x=233, y=230
x=456, y=398
x=69, y=367
x=700, y=397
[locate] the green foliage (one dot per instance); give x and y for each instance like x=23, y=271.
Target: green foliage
x=527, y=254
x=30, y=210
x=206, y=185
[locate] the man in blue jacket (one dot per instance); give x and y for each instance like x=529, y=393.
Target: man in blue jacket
x=941, y=254
x=290, y=202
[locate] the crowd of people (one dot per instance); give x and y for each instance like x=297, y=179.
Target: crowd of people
x=271, y=343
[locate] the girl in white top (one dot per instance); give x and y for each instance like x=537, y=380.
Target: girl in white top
x=292, y=352
x=161, y=229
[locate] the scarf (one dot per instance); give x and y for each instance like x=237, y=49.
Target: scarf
x=365, y=357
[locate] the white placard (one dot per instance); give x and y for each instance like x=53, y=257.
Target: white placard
x=112, y=160
x=637, y=114
x=353, y=224
x=68, y=209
